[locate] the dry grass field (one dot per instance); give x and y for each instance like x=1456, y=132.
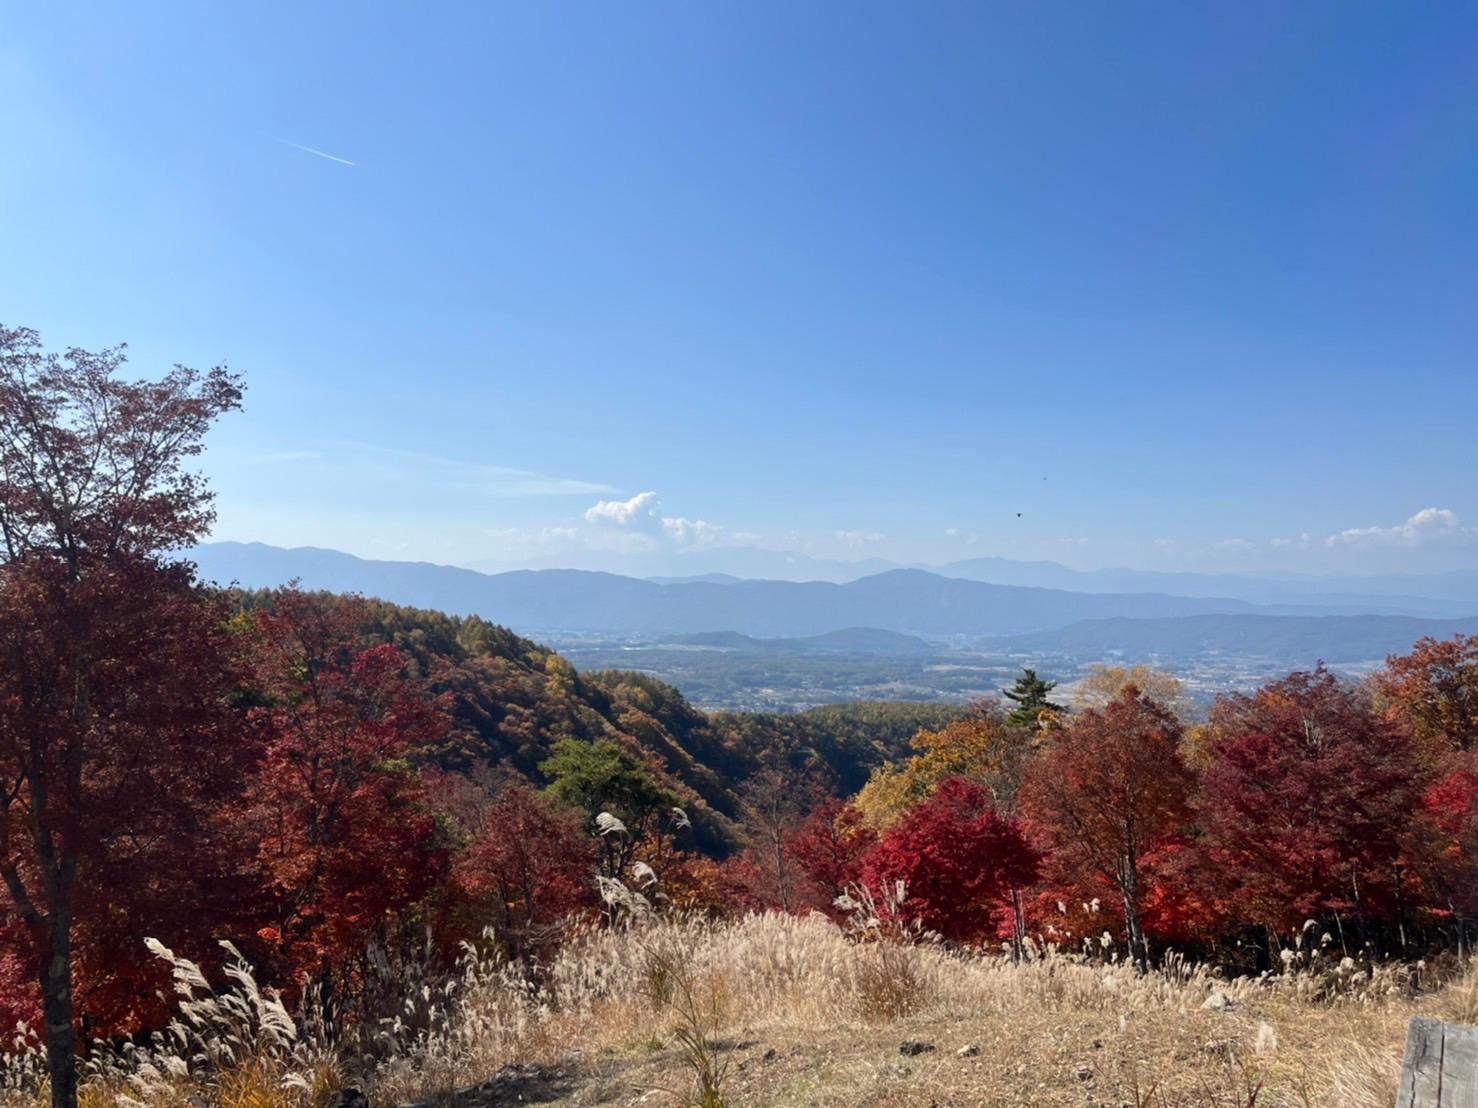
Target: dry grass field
x=778, y=1011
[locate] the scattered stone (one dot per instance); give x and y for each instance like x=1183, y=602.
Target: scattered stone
x=910, y=1047
x=1097, y=1044
x=1221, y=1048
x=771, y=1055
x=1218, y=1001
x=351, y=1098
x=969, y=1051
x=1083, y=1073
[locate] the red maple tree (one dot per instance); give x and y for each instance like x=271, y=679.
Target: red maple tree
x=1443, y=844
x=1306, y=802
x=828, y=848
x=346, y=836
x=1108, y=792
x=114, y=744
x=957, y=861
x=527, y=867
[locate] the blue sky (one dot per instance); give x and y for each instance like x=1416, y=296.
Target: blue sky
x=1184, y=285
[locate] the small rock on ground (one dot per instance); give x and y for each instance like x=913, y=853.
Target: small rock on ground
x=911, y=1047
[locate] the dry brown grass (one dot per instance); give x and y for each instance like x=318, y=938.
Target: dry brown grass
x=785, y=1012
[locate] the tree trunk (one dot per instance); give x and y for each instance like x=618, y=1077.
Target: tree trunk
x=1138, y=948
x=1018, y=927
x=57, y=1009
x=782, y=876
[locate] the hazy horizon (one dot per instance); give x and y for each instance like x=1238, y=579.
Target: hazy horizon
x=759, y=563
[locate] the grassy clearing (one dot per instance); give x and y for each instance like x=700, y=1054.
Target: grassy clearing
x=778, y=1011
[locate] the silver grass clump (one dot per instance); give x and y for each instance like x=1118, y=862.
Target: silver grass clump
x=607, y=824
x=217, y=1029
x=645, y=875
x=619, y=897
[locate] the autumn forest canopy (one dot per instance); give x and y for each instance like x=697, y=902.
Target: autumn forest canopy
x=312, y=777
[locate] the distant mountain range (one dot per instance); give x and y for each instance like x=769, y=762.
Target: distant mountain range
x=532, y=601
x=1439, y=594
x=905, y=601
x=1291, y=640
x=1431, y=594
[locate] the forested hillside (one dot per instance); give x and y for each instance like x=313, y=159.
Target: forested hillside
x=513, y=700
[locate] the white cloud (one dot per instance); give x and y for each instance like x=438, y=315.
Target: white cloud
x=1235, y=546
x=860, y=538
x=643, y=512
x=1429, y=527
x=691, y=532
x=642, y=516
x=1300, y=542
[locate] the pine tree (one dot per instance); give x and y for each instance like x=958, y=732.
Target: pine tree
x=1030, y=694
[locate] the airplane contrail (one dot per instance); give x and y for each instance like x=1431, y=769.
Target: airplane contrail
x=310, y=150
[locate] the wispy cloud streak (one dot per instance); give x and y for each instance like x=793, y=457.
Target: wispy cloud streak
x=316, y=153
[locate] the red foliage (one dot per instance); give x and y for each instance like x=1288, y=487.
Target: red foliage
x=1180, y=903
x=1070, y=908
x=528, y=866
x=111, y=734
x=1105, y=796
x=113, y=817
x=1307, y=800
x=693, y=883
x=828, y=849
x=346, y=840
x=1445, y=842
x=957, y=859
x=1435, y=689
x=1177, y=902
x=20, y=996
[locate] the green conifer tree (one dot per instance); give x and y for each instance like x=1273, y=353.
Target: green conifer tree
x=1030, y=695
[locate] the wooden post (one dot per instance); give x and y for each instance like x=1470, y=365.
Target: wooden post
x=1440, y=1069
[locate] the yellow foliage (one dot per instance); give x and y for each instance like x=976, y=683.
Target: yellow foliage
x=980, y=748
x=1103, y=683
x=1195, y=746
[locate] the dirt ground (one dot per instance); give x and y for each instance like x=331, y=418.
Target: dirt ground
x=1265, y=1056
